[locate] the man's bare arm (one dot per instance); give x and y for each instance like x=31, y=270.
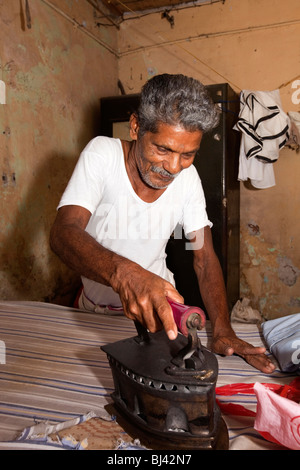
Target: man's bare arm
x=143, y=294
x=213, y=293
x=77, y=249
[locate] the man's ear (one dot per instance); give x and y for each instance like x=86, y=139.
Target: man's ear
x=134, y=126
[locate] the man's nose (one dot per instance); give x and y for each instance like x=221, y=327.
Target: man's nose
x=173, y=165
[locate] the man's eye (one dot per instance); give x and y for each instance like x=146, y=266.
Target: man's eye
x=162, y=150
x=188, y=155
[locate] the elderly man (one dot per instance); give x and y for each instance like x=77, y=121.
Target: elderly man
x=125, y=199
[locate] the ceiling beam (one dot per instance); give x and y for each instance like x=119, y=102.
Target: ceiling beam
x=114, y=10
x=161, y=5
x=95, y=5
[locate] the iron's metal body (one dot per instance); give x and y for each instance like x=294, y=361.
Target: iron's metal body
x=167, y=389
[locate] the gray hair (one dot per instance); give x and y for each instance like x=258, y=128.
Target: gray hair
x=176, y=99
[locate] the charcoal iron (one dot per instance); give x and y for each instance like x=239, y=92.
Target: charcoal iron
x=166, y=388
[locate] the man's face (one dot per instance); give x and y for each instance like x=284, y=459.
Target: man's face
x=161, y=156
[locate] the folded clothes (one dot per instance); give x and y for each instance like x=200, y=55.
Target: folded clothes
x=282, y=336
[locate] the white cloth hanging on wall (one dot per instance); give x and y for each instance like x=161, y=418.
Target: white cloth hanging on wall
x=264, y=128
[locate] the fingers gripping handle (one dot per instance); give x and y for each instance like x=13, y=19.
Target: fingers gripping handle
x=187, y=318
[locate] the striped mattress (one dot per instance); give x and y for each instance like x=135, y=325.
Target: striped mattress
x=52, y=368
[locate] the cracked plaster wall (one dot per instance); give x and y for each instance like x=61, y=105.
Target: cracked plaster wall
x=253, y=45
x=54, y=76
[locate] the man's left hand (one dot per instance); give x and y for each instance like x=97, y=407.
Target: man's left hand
x=255, y=356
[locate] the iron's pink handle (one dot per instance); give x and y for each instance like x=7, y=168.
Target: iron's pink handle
x=184, y=313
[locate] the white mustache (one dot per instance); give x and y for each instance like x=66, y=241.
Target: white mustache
x=163, y=172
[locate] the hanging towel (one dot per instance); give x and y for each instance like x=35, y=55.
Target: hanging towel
x=264, y=128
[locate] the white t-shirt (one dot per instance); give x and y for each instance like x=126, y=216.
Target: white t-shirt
x=124, y=223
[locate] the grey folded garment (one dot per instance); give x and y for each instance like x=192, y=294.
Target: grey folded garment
x=282, y=336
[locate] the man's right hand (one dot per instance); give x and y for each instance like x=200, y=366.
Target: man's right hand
x=144, y=298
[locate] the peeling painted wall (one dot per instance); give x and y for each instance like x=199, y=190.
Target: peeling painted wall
x=270, y=237
x=54, y=75
x=254, y=45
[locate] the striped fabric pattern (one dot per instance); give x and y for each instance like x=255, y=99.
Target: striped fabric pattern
x=264, y=123
x=52, y=368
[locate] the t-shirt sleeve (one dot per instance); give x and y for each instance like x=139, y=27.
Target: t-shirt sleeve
x=86, y=184
x=194, y=214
